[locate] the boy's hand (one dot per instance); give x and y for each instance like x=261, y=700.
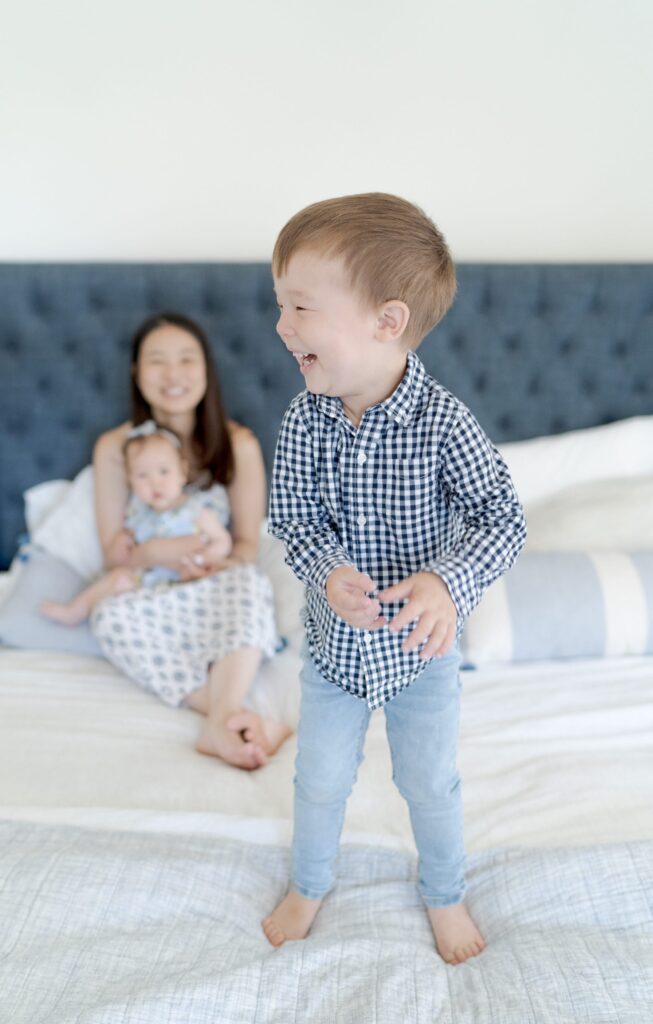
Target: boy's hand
x=429, y=601
x=346, y=591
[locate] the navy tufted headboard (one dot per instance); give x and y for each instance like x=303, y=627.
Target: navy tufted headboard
x=532, y=349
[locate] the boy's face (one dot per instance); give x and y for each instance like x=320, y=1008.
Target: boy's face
x=333, y=336
x=155, y=472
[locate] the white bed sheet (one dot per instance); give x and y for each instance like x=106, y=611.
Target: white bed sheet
x=551, y=754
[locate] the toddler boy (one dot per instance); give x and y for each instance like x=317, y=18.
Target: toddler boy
x=397, y=513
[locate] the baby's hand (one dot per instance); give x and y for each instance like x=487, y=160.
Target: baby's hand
x=346, y=591
x=217, y=539
x=429, y=601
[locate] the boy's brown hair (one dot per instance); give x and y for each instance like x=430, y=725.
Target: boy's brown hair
x=390, y=250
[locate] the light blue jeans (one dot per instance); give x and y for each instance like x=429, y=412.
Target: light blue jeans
x=422, y=728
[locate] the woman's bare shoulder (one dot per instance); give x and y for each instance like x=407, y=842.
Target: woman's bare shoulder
x=241, y=437
x=110, y=443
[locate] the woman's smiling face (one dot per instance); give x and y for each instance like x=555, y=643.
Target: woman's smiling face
x=171, y=372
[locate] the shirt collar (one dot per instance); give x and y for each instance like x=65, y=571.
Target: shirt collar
x=399, y=406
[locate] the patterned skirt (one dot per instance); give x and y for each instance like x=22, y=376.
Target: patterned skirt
x=166, y=637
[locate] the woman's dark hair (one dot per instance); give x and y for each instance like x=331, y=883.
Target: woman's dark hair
x=211, y=442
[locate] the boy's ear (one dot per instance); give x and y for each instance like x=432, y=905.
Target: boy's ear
x=392, y=320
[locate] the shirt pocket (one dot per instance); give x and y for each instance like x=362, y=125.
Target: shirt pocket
x=408, y=489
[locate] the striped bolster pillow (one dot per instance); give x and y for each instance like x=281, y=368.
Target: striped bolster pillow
x=565, y=605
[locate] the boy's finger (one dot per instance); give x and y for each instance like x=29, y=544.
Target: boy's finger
x=408, y=614
x=419, y=634
x=397, y=592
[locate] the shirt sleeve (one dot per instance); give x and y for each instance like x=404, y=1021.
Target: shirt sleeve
x=480, y=491
x=297, y=515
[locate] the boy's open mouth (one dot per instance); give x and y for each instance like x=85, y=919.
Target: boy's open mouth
x=305, y=358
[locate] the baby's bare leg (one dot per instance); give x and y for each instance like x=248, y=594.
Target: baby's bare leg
x=118, y=581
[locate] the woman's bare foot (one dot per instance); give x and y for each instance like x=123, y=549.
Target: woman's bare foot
x=65, y=614
x=217, y=740
x=456, y=935
x=265, y=732
x=291, y=920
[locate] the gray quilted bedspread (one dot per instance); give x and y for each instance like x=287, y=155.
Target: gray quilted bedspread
x=138, y=928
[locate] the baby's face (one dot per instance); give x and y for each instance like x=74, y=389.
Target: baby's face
x=155, y=472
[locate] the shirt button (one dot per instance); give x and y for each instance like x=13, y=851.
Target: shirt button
x=361, y=458
x=368, y=638
x=361, y=520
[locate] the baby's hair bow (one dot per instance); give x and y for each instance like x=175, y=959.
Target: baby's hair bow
x=149, y=429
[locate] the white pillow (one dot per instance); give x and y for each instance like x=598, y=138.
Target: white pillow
x=604, y=515
x=544, y=465
x=69, y=531
x=41, y=500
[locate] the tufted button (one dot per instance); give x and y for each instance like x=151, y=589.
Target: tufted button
x=72, y=424
x=44, y=385
x=70, y=348
x=534, y=386
x=265, y=381
x=44, y=462
x=98, y=382
x=566, y=346
x=588, y=385
x=620, y=349
x=41, y=306
x=97, y=302
x=512, y=343
x=480, y=381
x=505, y=422
x=16, y=428
x=558, y=424
x=236, y=344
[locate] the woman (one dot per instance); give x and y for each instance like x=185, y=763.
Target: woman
x=197, y=643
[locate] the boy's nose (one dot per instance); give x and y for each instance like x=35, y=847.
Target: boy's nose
x=284, y=328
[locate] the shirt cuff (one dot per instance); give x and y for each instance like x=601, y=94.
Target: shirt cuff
x=323, y=567
x=461, y=584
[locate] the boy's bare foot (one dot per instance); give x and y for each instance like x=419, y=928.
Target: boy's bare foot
x=65, y=614
x=291, y=920
x=217, y=740
x=265, y=732
x=456, y=935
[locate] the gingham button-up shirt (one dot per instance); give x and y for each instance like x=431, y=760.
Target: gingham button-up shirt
x=416, y=486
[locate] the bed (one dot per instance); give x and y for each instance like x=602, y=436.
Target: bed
x=134, y=872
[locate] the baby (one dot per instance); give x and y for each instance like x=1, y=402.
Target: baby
x=158, y=507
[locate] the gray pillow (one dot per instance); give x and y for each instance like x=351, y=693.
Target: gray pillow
x=43, y=577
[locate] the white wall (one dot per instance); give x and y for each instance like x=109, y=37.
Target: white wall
x=192, y=129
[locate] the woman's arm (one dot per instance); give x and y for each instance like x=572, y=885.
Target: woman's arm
x=110, y=486
x=247, y=494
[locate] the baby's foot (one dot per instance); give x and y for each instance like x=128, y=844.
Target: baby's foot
x=217, y=740
x=265, y=732
x=291, y=920
x=65, y=614
x=456, y=935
